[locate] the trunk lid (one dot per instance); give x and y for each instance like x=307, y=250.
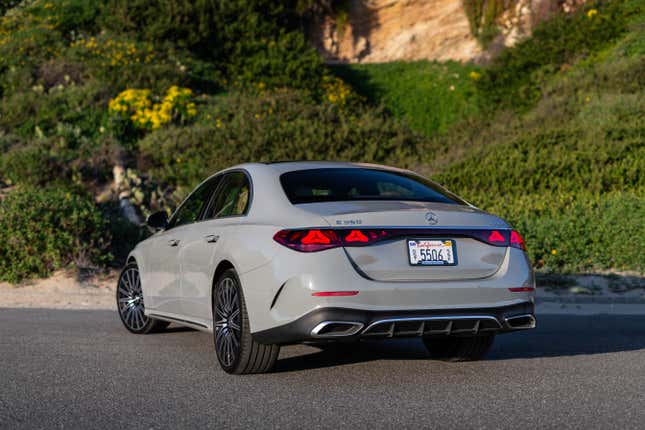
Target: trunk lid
x=389, y=260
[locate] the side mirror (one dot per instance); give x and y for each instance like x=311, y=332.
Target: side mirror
x=158, y=220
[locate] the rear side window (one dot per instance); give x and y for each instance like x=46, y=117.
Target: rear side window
x=232, y=197
x=191, y=209
x=346, y=184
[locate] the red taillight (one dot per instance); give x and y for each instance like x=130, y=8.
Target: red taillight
x=307, y=240
x=316, y=237
x=496, y=237
x=517, y=241
x=356, y=236
x=362, y=237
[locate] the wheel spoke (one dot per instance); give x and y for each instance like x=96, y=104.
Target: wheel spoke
x=234, y=326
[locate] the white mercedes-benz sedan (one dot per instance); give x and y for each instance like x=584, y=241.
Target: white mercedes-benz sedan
x=264, y=255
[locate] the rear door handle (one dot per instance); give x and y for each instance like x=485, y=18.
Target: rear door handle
x=211, y=238
x=173, y=242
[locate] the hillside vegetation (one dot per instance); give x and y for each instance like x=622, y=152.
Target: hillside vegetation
x=550, y=135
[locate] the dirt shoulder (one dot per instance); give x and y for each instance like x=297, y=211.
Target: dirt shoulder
x=63, y=290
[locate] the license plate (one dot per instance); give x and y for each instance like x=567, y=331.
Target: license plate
x=435, y=252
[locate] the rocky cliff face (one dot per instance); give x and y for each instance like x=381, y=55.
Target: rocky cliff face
x=388, y=30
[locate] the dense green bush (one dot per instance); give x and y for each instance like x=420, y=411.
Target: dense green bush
x=44, y=229
x=250, y=41
x=274, y=126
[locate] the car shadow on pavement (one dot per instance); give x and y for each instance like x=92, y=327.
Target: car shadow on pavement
x=555, y=336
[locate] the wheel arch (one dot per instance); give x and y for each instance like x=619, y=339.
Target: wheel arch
x=222, y=267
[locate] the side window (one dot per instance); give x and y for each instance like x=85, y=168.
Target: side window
x=192, y=207
x=232, y=197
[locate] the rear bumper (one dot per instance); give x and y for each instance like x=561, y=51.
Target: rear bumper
x=343, y=324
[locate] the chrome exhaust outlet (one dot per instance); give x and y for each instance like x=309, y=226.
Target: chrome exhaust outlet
x=520, y=322
x=328, y=329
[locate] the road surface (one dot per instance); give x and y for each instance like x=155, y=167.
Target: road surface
x=81, y=369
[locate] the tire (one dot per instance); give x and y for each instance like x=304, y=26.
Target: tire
x=457, y=349
x=235, y=348
x=130, y=303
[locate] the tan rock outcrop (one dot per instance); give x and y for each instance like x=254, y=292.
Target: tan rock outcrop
x=388, y=30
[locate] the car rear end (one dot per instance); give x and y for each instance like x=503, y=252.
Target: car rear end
x=392, y=255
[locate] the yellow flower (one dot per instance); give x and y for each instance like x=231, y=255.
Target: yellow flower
x=591, y=13
x=554, y=251
x=474, y=75
x=136, y=105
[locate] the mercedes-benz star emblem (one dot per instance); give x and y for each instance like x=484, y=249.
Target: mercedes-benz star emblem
x=432, y=218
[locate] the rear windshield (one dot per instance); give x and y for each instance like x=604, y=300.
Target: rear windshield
x=346, y=184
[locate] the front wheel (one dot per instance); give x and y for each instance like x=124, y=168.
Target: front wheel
x=129, y=302
x=459, y=348
x=236, y=350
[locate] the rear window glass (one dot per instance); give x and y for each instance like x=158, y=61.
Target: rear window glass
x=345, y=184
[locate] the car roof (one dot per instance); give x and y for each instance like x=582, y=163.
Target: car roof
x=290, y=166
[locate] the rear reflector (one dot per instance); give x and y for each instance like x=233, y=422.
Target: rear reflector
x=521, y=289
x=334, y=293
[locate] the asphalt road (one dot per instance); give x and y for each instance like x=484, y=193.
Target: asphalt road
x=81, y=369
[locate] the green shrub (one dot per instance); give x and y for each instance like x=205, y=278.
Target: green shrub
x=250, y=41
x=40, y=112
x=45, y=229
x=273, y=126
x=579, y=232
x=30, y=165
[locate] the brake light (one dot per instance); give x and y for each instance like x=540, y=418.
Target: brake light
x=517, y=241
x=315, y=237
x=356, y=236
x=307, y=240
x=496, y=237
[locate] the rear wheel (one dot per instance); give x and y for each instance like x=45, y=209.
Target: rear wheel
x=129, y=302
x=236, y=350
x=459, y=348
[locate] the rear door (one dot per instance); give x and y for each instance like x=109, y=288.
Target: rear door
x=164, y=276
x=199, y=255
